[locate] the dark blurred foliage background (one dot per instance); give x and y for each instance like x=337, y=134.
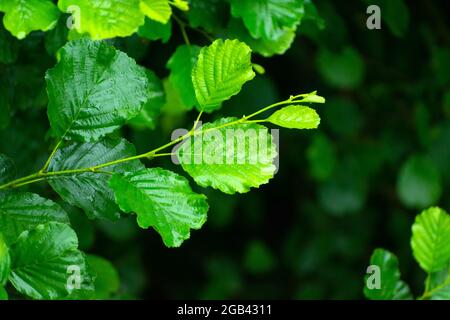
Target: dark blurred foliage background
x=381, y=154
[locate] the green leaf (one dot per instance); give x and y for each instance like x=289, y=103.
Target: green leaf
x=107, y=281
x=265, y=47
x=173, y=106
x=258, y=258
x=430, y=240
x=42, y=261
x=391, y=287
x=419, y=183
x=20, y=211
x=158, y=10
x=344, y=69
x=162, y=200
x=5, y=262
x=321, y=157
x=104, y=19
x=439, y=285
x=295, y=117
x=7, y=169
x=181, y=64
x=212, y=15
x=156, y=99
x=268, y=18
x=93, y=90
x=22, y=17
x=232, y=159
x=90, y=190
x=183, y=5
x=154, y=30
x=221, y=71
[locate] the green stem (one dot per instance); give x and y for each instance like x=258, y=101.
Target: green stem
x=44, y=175
x=182, y=28
x=47, y=163
x=428, y=293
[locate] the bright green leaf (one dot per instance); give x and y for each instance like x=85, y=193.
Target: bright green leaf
x=22, y=17
x=295, y=117
x=181, y=64
x=268, y=18
x=43, y=259
x=221, y=70
x=391, y=287
x=93, y=90
x=104, y=19
x=162, y=200
x=90, y=190
x=430, y=240
x=20, y=211
x=183, y=5
x=158, y=10
x=232, y=159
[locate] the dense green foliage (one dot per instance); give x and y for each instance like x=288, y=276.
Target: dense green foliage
x=90, y=92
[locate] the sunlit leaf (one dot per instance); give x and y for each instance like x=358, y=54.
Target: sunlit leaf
x=104, y=19
x=22, y=17
x=232, y=159
x=221, y=70
x=295, y=117
x=163, y=200
x=430, y=240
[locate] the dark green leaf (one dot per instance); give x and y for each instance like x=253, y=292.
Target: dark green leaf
x=20, y=211
x=43, y=260
x=90, y=190
x=268, y=18
x=93, y=90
